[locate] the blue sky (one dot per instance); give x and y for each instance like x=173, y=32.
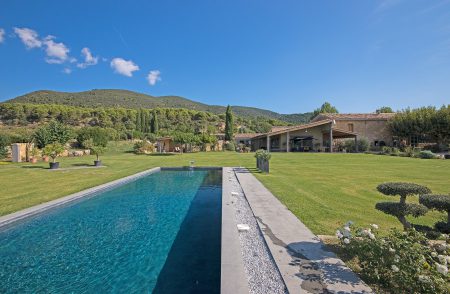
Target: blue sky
x=287, y=56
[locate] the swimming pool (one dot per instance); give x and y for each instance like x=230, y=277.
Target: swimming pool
x=160, y=233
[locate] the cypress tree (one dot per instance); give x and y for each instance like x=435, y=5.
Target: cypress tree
x=154, y=124
x=229, y=124
x=142, y=120
x=138, y=121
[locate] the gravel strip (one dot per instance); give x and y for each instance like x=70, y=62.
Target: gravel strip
x=262, y=273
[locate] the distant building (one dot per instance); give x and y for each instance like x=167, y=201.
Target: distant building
x=371, y=126
x=321, y=134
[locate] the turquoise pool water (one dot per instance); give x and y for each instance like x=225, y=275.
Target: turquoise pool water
x=160, y=234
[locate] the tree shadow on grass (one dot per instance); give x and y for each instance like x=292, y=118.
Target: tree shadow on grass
x=82, y=164
x=162, y=154
x=34, y=167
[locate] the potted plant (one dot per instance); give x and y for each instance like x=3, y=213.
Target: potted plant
x=53, y=150
x=97, y=150
x=34, y=154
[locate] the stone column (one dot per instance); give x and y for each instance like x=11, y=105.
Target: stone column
x=331, y=137
x=288, y=137
x=15, y=152
x=268, y=143
x=356, y=144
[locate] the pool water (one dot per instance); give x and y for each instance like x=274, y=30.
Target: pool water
x=158, y=234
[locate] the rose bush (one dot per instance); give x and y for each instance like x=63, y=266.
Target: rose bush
x=401, y=261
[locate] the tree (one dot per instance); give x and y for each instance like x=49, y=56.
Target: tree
x=402, y=209
x=4, y=143
x=51, y=133
x=138, y=121
x=229, y=124
x=325, y=108
x=440, y=203
x=53, y=150
x=384, y=109
x=98, y=135
x=154, y=123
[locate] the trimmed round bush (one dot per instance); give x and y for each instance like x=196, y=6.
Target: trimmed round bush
x=402, y=189
x=442, y=227
x=440, y=203
x=402, y=209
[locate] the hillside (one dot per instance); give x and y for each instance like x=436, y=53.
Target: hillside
x=130, y=99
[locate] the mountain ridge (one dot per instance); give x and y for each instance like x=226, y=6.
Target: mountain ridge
x=131, y=99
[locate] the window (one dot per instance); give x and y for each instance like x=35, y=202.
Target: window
x=350, y=127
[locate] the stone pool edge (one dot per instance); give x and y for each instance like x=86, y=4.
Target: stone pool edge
x=34, y=210
x=233, y=278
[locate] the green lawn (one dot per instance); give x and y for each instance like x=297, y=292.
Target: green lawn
x=323, y=190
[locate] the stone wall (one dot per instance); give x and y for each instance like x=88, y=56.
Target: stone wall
x=372, y=130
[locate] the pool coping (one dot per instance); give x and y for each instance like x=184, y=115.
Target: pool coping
x=233, y=278
x=291, y=243
x=11, y=218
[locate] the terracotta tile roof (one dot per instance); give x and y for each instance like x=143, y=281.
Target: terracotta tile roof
x=246, y=135
x=279, y=128
x=299, y=127
x=354, y=116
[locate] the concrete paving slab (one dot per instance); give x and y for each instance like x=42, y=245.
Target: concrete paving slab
x=304, y=262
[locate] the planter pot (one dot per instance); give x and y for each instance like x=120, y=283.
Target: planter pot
x=33, y=160
x=54, y=165
x=45, y=158
x=97, y=163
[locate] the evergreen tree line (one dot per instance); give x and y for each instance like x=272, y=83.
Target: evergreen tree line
x=162, y=121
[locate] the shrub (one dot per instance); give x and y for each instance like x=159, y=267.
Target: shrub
x=52, y=133
x=400, y=262
x=440, y=203
x=262, y=159
x=229, y=146
x=4, y=143
x=402, y=189
x=98, y=135
x=143, y=147
x=427, y=154
x=53, y=150
x=402, y=209
x=363, y=145
x=386, y=150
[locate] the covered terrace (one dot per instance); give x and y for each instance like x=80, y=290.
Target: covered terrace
x=313, y=137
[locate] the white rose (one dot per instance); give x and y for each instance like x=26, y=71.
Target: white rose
x=346, y=241
x=442, y=269
x=375, y=226
x=442, y=259
x=394, y=268
x=391, y=250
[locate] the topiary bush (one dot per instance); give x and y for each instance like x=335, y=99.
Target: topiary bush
x=440, y=203
x=402, y=209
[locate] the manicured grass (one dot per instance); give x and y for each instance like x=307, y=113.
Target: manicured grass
x=323, y=190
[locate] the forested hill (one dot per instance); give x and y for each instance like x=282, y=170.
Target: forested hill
x=130, y=99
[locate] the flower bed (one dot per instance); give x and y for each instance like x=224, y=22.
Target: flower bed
x=400, y=262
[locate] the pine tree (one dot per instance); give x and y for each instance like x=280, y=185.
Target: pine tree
x=229, y=124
